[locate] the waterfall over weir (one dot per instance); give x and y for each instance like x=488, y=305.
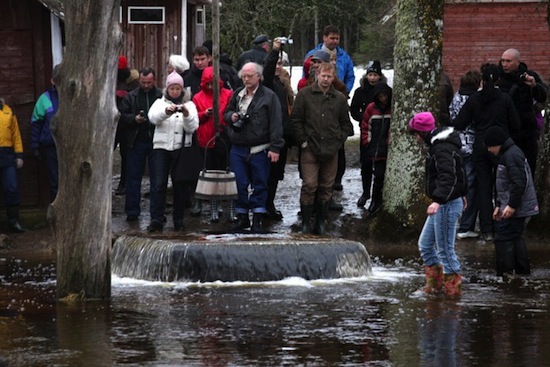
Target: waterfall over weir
x=171, y=260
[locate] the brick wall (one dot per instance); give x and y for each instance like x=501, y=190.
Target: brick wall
x=476, y=33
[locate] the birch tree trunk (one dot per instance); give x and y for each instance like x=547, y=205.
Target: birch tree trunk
x=84, y=130
x=417, y=55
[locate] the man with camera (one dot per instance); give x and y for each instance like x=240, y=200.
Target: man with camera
x=526, y=88
x=277, y=79
x=256, y=54
x=255, y=130
x=133, y=114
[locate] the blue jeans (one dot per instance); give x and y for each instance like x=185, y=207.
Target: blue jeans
x=8, y=175
x=437, y=240
x=253, y=170
x=140, y=152
x=468, y=220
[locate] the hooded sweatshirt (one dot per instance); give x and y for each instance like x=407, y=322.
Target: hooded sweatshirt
x=204, y=100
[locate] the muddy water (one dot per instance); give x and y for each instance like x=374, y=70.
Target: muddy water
x=380, y=320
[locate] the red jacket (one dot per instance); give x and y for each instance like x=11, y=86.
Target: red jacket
x=205, y=100
x=307, y=65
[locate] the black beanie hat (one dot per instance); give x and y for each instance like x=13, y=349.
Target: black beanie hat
x=374, y=67
x=494, y=136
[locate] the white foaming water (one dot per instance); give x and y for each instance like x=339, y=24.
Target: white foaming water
x=379, y=275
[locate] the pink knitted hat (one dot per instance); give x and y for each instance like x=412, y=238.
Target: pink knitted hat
x=422, y=121
x=174, y=78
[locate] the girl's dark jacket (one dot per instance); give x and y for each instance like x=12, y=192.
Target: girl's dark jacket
x=264, y=125
x=514, y=182
x=445, y=176
x=375, y=127
x=362, y=97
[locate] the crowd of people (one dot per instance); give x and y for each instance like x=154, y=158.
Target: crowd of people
x=482, y=159
x=174, y=131
x=483, y=147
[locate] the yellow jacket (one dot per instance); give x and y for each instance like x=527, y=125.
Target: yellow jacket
x=10, y=137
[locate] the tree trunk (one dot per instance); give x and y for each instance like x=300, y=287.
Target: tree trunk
x=542, y=178
x=419, y=37
x=84, y=130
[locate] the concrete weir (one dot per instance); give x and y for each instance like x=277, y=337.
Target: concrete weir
x=254, y=260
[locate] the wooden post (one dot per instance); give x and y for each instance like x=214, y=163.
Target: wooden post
x=216, y=61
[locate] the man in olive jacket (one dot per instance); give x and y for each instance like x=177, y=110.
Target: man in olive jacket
x=320, y=123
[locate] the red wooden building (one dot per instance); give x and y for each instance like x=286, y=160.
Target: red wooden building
x=479, y=31
x=31, y=41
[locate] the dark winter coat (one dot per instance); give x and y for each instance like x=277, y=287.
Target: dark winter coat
x=276, y=85
x=264, y=124
x=229, y=74
x=375, y=127
x=192, y=80
x=134, y=102
x=361, y=99
x=514, y=182
x=321, y=120
x=256, y=54
x=523, y=97
x=498, y=110
x=445, y=176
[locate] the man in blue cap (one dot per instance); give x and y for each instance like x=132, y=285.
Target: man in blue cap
x=258, y=52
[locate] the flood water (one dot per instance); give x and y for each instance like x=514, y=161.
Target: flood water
x=380, y=320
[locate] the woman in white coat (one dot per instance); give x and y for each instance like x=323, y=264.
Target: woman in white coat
x=176, y=121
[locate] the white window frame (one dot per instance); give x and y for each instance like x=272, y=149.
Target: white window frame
x=130, y=8
x=200, y=16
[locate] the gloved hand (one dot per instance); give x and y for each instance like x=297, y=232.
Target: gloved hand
x=18, y=163
x=36, y=154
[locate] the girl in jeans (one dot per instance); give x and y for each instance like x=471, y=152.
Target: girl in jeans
x=445, y=185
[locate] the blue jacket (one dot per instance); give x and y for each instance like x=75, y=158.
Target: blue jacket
x=343, y=64
x=42, y=116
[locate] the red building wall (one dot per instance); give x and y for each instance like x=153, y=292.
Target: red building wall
x=476, y=33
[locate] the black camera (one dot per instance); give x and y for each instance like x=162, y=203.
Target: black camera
x=243, y=119
x=179, y=108
x=523, y=76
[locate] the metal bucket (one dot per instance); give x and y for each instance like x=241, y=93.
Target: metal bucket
x=216, y=185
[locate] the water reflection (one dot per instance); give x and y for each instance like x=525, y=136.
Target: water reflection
x=380, y=320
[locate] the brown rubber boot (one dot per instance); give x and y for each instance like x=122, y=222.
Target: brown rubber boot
x=434, y=278
x=452, y=284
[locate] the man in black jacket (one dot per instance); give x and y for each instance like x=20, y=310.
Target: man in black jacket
x=255, y=130
x=278, y=80
x=525, y=87
x=133, y=114
x=256, y=54
x=192, y=77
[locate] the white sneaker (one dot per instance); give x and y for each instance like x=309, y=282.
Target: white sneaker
x=468, y=234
